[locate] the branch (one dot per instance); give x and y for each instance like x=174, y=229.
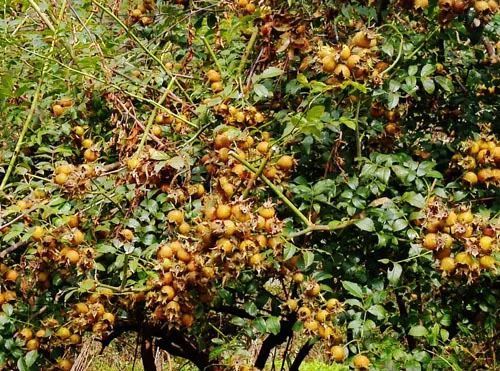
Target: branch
x=14, y=247
x=232, y=310
x=280, y=194
x=302, y=354
x=286, y=330
x=323, y=227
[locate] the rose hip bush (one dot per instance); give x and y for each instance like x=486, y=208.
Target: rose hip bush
x=243, y=181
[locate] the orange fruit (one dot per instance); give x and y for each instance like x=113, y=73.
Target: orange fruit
x=361, y=362
x=338, y=353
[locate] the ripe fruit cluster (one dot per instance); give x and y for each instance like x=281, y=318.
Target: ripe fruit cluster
x=462, y=243
x=480, y=160
x=449, y=9
x=247, y=6
x=74, y=179
x=59, y=107
x=357, y=60
x=140, y=13
x=239, y=117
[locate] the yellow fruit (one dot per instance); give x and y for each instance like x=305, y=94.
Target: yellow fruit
x=187, y=320
x=87, y=143
x=72, y=256
x=352, y=61
x=175, y=216
x=57, y=110
x=81, y=308
x=133, y=163
x=321, y=315
x=447, y=240
x=332, y=304
x=481, y=6
x=90, y=155
x=184, y=228
x=304, y=312
x=447, y=264
x=250, y=8
x=361, y=362
x=485, y=243
x=463, y=258
x=342, y=71
x=61, y=179
x=168, y=291
x=263, y=147
x=157, y=130
x=38, y=233
x=267, y=212
x=474, y=148
x=108, y=317
x=285, y=162
x=216, y=87
x=329, y=63
x=338, y=353
x=63, y=333
x=223, y=211
x=79, y=130
x=487, y=262
x=470, y=178
x=32, y=344
x=466, y=217
x=430, y=241
x=421, y=4
x=346, y=52
x=259, y=118
x=11, y=275
x=75, y=339
x=213, y=76
x=65, y=364
x=298, y=277
x=183, y=255
x=78, y=237
x=313, y=290
x=361, y=40
x=451, y=219
x=292, y=304
x=26, y=333
x=256, y=259
x=311, y=325
x=484, y=175
x=127, y=234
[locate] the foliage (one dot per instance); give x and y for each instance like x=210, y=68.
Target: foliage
x=225, y=176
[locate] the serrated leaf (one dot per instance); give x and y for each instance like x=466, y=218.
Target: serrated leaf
x=289, y=251
x=308, y=258
x=353, y=288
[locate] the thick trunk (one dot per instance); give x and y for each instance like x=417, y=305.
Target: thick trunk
x=147, y=354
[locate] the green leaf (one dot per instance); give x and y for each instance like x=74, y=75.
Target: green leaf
x=427, y=70
x=308, y=258
x=273, y=325
x=268, y=73
x=414, y=199
x=394, y=274
x=289, y=251
x=315, y=113
x=261, y=91
x=30, y=358
x=428, y=84
x=412, y=70
x=445, y=83
x=365, y=224
x=418, y=331
x=378, y=311
x=353, y=288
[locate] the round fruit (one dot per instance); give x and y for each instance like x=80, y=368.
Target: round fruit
x=343, y=71
x=321, y=315
x=108, y=317
x=165, y=252
x=11, y=275
x=223, y=211
x=79, y=130
x=314, y=290
x=32, y=344
x=90, y=155
x=61, y=179
x=183, y=255
x=127, y=234
x=267, y=212
x=78, y=237
x=72, y=256
x=484, y=175
x=353, y=61
x=26, y=333
x=329, y=63
x=298, y=277
x=485, y=243
x=361, y=362
x=487, y=262
x=81, y=308
x=466, y=217
x=168, y=291
x=311, y=325
x=87, y=143
x=285, y=162
x=263, y=147
x=57, y=110
x=361, y=39
x=38, y=233
x=63, y=333
x=175, y=216
x=75, y=339
x=187, y=320
x=184, y=228
x=332, y=304
x=213, y=76
x=447, y=264
x=338, y=353
x=346, y=52
x=65, y=364
x=451, y=219
x=470, y=178
x=133, y=163
x=292, y=304
x=256, y=259
x=157, y=130
x=216, y=87
x=430, y=241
